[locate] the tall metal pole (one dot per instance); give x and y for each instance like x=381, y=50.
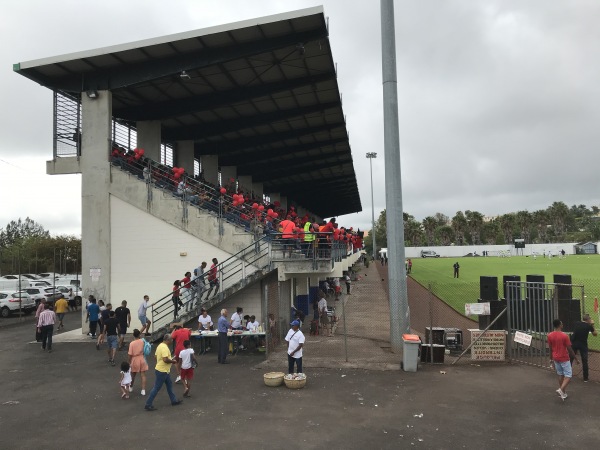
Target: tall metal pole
x=399, y=311
x=371, y=156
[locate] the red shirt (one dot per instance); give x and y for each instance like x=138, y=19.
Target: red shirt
x=212, y=273
x=559, y=342
x=180, y=335
x=287, y=229
x=186, y=282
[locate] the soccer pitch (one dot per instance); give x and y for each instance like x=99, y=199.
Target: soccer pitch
x=438, y=272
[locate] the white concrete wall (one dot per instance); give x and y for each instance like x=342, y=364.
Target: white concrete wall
x=249, y=298
x=145, y=255
x=454, y=251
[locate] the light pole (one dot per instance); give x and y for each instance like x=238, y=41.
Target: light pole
x=371, y=156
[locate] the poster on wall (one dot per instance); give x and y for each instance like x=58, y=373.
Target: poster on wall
x=477, y=309
x=95, y=273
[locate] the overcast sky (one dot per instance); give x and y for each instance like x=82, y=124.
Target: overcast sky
x=499, y=100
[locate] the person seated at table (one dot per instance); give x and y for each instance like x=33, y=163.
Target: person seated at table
x=236, y=324
x=252, y=326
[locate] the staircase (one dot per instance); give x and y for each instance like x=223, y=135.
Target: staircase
x=244, y=268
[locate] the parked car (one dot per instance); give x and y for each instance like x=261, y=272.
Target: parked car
x=65, y=292
x=9, y=303
x=429, y=254
x=38, y=293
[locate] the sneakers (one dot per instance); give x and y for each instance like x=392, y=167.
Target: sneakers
x=143, y=392
x=178, y=379
x=561, y=394
x=150, y=408
x=130, y=389
x=178, y=402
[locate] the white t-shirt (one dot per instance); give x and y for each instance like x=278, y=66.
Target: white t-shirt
x=236, y=320
x=205, y=322
x=186, y=358
x=126, y=378
x=322, y=305
x=336, y=282
x=295, y=338
x=347, y=278
x=252, y=326
x=143, y=307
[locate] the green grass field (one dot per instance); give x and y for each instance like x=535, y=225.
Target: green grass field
x=438, y=272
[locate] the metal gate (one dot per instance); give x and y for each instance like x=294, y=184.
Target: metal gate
x=531, y=309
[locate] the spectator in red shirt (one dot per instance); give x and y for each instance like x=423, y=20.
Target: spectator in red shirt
x=286, y=227
x=213, y=279
x=562, y=353
x=180, y=335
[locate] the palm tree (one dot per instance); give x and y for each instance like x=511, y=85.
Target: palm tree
x=541, y=221
x=490, y=232
x=429, y=225
x=506, y=225
x=459, y=224
x=559, y=212
x=445, y=234
x=474, y=222
x=524, y=221
x=412, y=232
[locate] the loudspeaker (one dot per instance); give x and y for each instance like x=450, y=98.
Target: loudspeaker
x=569, y=312
x=535, y=287
x=563, y=292
x=488, y=288
x=511, y=292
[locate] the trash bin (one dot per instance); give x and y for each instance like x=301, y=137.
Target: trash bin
x=410, y=352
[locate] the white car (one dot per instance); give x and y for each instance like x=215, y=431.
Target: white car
x=65, y=291
x=9, y=303
x=39, y=292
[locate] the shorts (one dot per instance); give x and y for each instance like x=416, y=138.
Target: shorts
x=143, y=320
x=324, y=319
x=187, y=374
x=60, y=316
x=122, y=328
x=563, y=369
x=214, y=283
x=112, y=341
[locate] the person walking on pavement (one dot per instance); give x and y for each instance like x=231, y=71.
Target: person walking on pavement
x=579, y=342
x=348, y=282
x=562, y=354
x=111, y=334
x=295, y=339
x=164, y=361
x=222, y=327
x=456, y=267
x=45, y=326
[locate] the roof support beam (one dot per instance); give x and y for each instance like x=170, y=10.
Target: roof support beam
x=238, y=145
x=137, y=73
x=209, y=130
x=179, y=107
x=279, y=170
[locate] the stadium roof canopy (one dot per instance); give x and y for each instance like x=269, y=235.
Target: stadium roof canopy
x=261, y=94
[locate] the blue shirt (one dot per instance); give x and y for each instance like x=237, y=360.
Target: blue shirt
x=223, y=324
x=93, y=309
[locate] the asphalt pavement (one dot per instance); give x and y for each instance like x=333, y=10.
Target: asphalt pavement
x=70, y=398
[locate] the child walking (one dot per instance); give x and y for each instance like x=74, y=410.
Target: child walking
x=125, y=381
x=187, y=363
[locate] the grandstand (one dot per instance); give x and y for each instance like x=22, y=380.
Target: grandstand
x=251, y=107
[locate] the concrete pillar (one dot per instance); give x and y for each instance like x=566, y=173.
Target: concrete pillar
x=302, y=286
x=95, y=198
x=258, y=190
x=210, y=167
x=245, y=182
x=185, y=156
x=149, y=138
x=275, y=197
x=228, y=172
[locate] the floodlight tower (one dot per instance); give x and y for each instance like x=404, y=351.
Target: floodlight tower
x=371, y=156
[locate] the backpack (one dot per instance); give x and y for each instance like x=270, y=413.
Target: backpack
x=147, y=347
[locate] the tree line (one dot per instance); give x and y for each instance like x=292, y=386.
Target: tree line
x=557, y=223
x=26, y=247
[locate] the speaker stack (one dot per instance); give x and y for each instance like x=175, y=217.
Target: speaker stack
x=563, y=292
x=488, y=292
x=512, y=291
x=535, y=287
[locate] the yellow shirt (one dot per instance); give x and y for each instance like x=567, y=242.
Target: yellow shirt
x=161, y=351
x=61, y=306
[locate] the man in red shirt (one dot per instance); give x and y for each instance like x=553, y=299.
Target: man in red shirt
x=561, y=351
x=213, y=279
x=286, y=227
x=179, y=336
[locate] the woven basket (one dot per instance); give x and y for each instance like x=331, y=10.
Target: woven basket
x=274, y=379
x=294, y=384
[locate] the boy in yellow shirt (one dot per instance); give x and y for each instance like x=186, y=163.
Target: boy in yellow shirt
x=60, y=308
